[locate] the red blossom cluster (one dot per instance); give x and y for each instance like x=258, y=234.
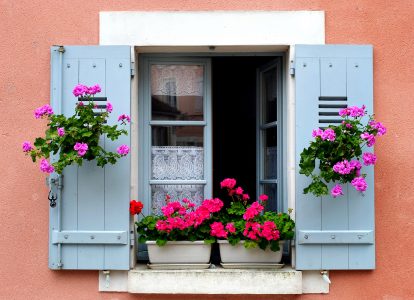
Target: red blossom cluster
x=229, y=184
x=135, y=207
x=255, y=230
x=182, y=216
x=218, y=229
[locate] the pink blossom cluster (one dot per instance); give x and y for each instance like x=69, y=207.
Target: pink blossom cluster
x=61, y=131
x=254, y=231
x=45, y=110
x=263, y=197
x=81, y=90
x=231, y=228
x=327, y=134
x=253, y=210
x=359, y=184
x=124, y=118
x=27, y=146
x=344, y=167
x=347, y=125
x=369, y=137
x=218, y=229
x=369, y=158
x=381, y=130
x=46, y=167
x=81, y=148
x=336, y=191
x=229, y=184
x=181, y=217
x=109, y=107
x=123, y=150
x=353, y=111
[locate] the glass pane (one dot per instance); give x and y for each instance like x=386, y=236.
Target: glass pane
x=177, y=92
x=270, y=153
x=195, y=193
x=177, y=153
x=270, y=95
x=177, y=136
x=271, y=191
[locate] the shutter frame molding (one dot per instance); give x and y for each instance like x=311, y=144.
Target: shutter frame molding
x=340, y=233
x=89, y=227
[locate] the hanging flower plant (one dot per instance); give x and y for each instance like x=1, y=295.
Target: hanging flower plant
x=76, y=138
x=339, y=150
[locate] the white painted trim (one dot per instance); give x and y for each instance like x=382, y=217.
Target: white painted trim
x=216, y=28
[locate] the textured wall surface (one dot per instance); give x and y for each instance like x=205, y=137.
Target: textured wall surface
x=29, y=28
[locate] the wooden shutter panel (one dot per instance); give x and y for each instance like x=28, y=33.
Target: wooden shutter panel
x=332, y=233
x=89, y=227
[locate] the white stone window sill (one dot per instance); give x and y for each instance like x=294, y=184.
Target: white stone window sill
x=142, y=280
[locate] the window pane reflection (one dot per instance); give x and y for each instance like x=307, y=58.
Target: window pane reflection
x=177, y=92
x=270, y=153
x=270, y=95
x=271, y=191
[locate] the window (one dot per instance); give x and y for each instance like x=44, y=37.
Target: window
x=197, y=127
x=175, y=131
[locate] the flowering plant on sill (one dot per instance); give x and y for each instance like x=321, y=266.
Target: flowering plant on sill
x=339, y=150
x=247, y=221
x=76, y=137
x=179, y=222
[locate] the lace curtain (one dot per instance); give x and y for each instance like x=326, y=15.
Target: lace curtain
x=176, y=163
x=177, y=80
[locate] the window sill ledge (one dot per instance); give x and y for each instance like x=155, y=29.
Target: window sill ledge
x=142, y=280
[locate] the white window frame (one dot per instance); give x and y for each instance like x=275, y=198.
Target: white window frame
x=219, y=31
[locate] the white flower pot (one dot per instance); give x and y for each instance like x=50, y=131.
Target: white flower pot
x=239, y=254
x=183, y=252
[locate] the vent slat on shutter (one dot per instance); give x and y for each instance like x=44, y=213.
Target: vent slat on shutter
x=329, y=107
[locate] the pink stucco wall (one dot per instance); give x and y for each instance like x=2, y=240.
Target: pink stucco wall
x=29, y=28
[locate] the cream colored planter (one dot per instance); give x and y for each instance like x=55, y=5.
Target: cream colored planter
x=240, y=254
x=184, y=252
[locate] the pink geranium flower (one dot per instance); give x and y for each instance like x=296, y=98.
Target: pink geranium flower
x=81, y=148
x=123, y=150
x=369, y=158
x=336, y=191
x=27, y=146
x=46, y=167
x=229, y=183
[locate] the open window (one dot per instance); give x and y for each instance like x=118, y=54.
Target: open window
x=203, y=119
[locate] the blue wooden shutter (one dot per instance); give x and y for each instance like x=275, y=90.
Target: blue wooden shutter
x=89, y=227
x=332, y=233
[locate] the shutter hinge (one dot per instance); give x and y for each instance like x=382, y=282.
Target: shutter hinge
x=292, y=68
x=60, y=49
x=55, y=184
x=132, y=68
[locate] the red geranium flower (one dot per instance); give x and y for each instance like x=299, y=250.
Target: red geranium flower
x=135, y=207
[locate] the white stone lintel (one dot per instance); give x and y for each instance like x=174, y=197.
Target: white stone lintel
x=211, y=28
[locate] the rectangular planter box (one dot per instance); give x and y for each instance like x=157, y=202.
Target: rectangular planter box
x=240, y=254
x=183, y=252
